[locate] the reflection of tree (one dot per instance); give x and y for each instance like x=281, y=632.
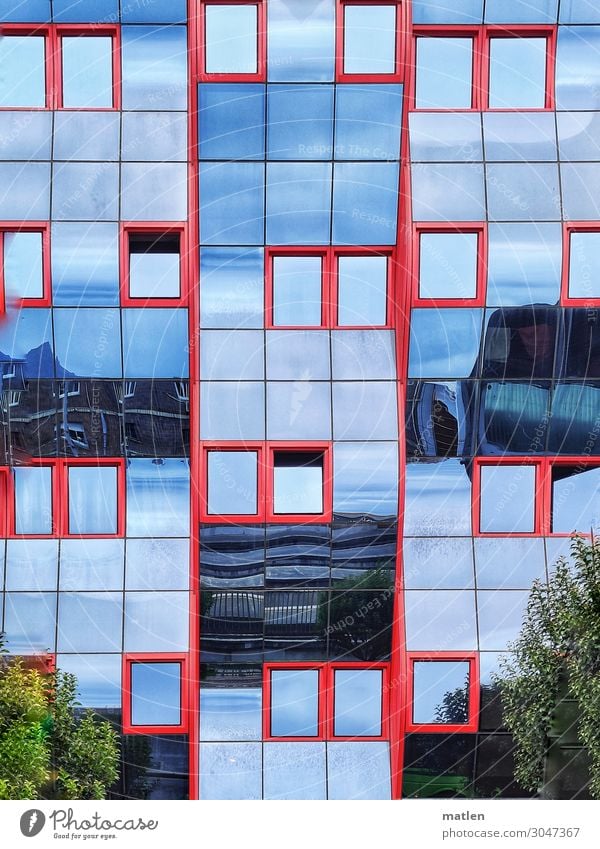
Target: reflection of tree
x=454, y=707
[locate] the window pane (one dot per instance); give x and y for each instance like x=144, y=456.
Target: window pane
x=441, y=693
x=298, y=482
x=156, y=622
x=231, y=39
x=584, y=268
x=444, y=73
x=298, y=203
x=231, y=121
x=295, y=703
x=448, y=265
x=444, y=342
x=358, y=702
x=297, y=290
x=155, y=693
x=90, y=622
x=91, y=564
x=369, y=39
x=507, y=499
x=154, y=265
x=517, y=73
x=98, y=678
x=231, y=287
x=33, y=500
x=23, y=274
x=87, y=71
x=85, y=264
x=362, y=290
x=524, y=264
x=93, y=500
x=23, y=75
x=301, y=45
x=575, y=500
x=158, y=497
x=300, y=122
x=232, y=482
x=365, y=478
x=294, y=771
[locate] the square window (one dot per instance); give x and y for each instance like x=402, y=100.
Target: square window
x=23, y=61
x=584, y=265
x=369, y=38
x=23, y=266
x=575, y=499
x=294, y=703
x=507, y=498
x=87, y=71
x=297, y=291
x=444, y=73
x=298, y=482
x=154, y=265
x=358, y=698
x=440, y=692
x=156, y=694
x=362, y=291
x=232, y=486
x=448, y=265
x=231, y=38
x=93, y=500
x=517, y=73
x=33, y=502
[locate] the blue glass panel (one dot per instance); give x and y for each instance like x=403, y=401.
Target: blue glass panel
x=444, y=73
x=30, y=622
x=443, y=563
x=521, y=11
x=528, y=136
x=298, y=203
x=158, y=498
x=231, y=40
x=155, y=11
x=507, y=499
x=154, y=136
x=438, y=500
x=363, y=355
x=444, y=342
x=232, y=483
x=231, y=713
x=509, y=563
x=579, y=12
x=232, y=203
x=294, y=702
x=362, y=290
x=577, y=68
x=26, y=11
x=301, y=44
x=85, y=264
x=298, y=355
x=91, y=564
x=448, y=193
x=155, y=693
x=154, y=266
x=156, y=192
x=445, y=136
x=232, y=410
x=369, y=39
x=156, y=622
x=447, y=11
x=157, y=564
x=231, y=121
x=86, y=11
x=155, y=343
x=584, y=268
x=33, y=499
x=93, y=500
x=448, y=265
x=368, y=122
x=365, y=410
x=578, y=136
x=357, y=702
x=26, y=343
x=299, y=410
x=524, y=263
x=575, y=414
x=297, y=288
x=232, y=356
x=581, y=191
x=523, y=192
x=300, y=122
x=30, y=139
x=101, y=356
x=231, y=771
x=19, y=52
x=500, y=617
x=87, y=78
x=24, y=191
x=98, y=678
x=358, y=771
x=154, y=67
x=31, y=564
x=90, y=622
x=231, y=287
x=86, y=136
x=84, y=191
x=365, y=203
x=575, y=494
x=23, y=273
x=440, y=692
x=440, y=618
x=294, y=771
x=517, y=73
x=365, y=478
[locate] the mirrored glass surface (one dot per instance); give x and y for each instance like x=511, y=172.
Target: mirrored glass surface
x=232, y=410
x=232, y=205
x=157, y=418
x=301, y=44
x=300, y=122
x=365, y=478
x=230, y=713
x=362, y=290
x=33, y=500
x=298, y=355
x=439, y=418
x=30, y=622
x=297, y=286
x=440, y=617
x=577, y=71
x=231, y=770
x=232, y=356
x=575, y=414
x=34, y=11
x=579, y=12
x=232, y=625
x=87, y=135
x=444, y=73
x=575, y=492
x=158, y=498
x=90, y=418
x=154, y=192
x=294, y=703
x=299, y=410
x=358, y=697
x=528, y=136
x=521, y=11
x=507, y=502
x=297, y=482
x=154, y=265
x=509, y=563
x=365, y=203
x=30, y=140
x=358, y=770
x=155, y=343
x=500, y=616
x=83, y=191
x=85, y=264
x=91, y=564
x=26, y=344
x=438, y=499
x=584, y=265
x=232, y=482
x=298, y=203
x=448, y=265
x=22, y=60
x=90, y=622
x=101, y=356
x=444, y=563
x=448, y=192
x=231, y=121
x=155, y=693
x=26, y=191
x=23, y=271
x=364, y=554
x=365, y=410
x=231, y=38
x=368, y=121
x=444, y=342
x=440, y=692
x=157, y=564
x=87, y=71
x=369, y=39
x=154, y=11
x=514, y=417
x=231, y=287
x=156, y=622
x=524, y=264
x=578, y=136
x=154, y=67
x=580, y=186
x=363, y=355
x=93, y=500
x=523, y=192
x=445, y=137
x=452, y=755
x=85, y=11
x=31, y=564
x=98, y=678
x=295, y=625
x=517, y=73
x=30, y=421
x=154, y=136
x=447, y=11
x=232, y=556
x=297, y=556
x=294, y=771
x=520, y=343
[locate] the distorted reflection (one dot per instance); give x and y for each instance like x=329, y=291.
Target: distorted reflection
x=441, y=692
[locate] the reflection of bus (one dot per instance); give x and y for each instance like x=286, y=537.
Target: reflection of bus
x=535, y=389
x=428, y=784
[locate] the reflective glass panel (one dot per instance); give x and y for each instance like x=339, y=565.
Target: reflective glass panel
x=294, y=771
x=87, y=71
x=448, y=265
x=500, y=617
x=447, y=11
x=298, y=355
x=23, y=74
x=365, y=203
x=299, y=411
x=369, y=39
x=362, y=290
x=358, y=770
x=91, y=564
x=232, y=356
x=154, y=265
x=448, y=192
x=444, y=73
x=232, y=482
x=298, y=482
x=231, y=121
x=31, y=564
x=231, y=38
x=578, y=139
x=93, y=500
x=297, y=556
x=23, y=272
x=523, y=192
x=232, y=410
x=231, y=771
x=575, y=499
x=575, y=414
x=85, y=264
x=31, y=202
x=441, y=692
x=358, y=702
x=438, y=499
x=507, y=499
x=520, y=343
x=154, y=68
x=33, y=500
x=363, y=355
x=365, y=410
x=85, y=11
x=90, y=622
x=294, y=703
x=100, y=356
x=517, y=73
x=584, y=265
x=528, y=136
x=158, y=498
x=442, y=563
x=300, y=122
x=439, y=418
x=301, y=44
x=509, y=563
x=298, y=203
x=156, y=622
x=157, y=564
x=441, y=618
x=230, y=713
x=232, y=203
x=98, y=678
x=30, y=622
x=365, y=478
x=514, y=417
x=155, y=693
x=357, y=134
x=155, y=343
x=231, y=287
x=297, y=282
x=232, y=556
x=445, y=137
x=444, y=342
x=524, y=264
x=522, y=11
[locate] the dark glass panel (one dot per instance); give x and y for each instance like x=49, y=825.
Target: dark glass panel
x=155, y=767
x=495, y=771
x=90, y=418
x=582, y=343
x=364, y=554
x=298, y=556
x=514, y=417
x=231, y=625
x=520, y=343
x=575, y=422
x=360, y=623
x=232, y=556
x=157, y=418
x=439, y=418
x=296, y=624
x=437, y=766
x=29, y=414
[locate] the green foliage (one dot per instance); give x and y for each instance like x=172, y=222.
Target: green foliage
x=46, y=750
x=559, y=644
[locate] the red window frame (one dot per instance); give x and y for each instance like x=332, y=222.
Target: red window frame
x=126, y=693
x=481, y=36
x=4, y=500
x=569, y=228
x=42, y=227
x=265, y=482
x=261, y=53
x=53, y=34
x=329, y=284
x=582, y=463
x=538, y=512
x=326, y=699
x=478, y=227
x=60, y=497
x=152, y=228
x=471, y=726
x=401, y=28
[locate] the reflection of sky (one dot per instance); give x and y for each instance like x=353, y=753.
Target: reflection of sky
x=432, y=681
x=438, y=499
x=231, y=714
x=158, y=497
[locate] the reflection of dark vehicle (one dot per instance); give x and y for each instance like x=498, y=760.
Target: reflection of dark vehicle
x=427, y=784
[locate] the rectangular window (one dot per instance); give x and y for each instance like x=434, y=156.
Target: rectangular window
x=34, y=500
x=152, y=268
x=507, y=497
x=443, y=692
x=297, y=290
x=369, y=41
x=518, y=71
x=154, y=696
x=297, y=482
x=233, y=482
x=25, y=265
x=295, y=703
x=450, y=265
x=362, y=290
x=581, y=265
x=357, y=705
x=93, y=499
x=23, y=59
x=89, y=65
x=444, y=72
x=575, y=498
x=232, y=41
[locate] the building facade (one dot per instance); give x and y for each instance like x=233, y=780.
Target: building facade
x=299, y=386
